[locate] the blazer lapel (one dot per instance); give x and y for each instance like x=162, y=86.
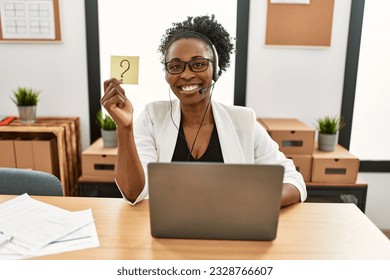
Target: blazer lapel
x=230, y=144
x=168, y=133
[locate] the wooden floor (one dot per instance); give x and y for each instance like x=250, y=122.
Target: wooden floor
x=386, y=232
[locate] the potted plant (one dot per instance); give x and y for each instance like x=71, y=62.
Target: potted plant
x=108, y=129
x=26, y=99
x=328, y=132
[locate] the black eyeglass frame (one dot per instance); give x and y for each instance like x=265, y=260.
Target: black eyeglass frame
x=189, y=65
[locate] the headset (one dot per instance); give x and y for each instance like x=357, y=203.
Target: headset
x=203, y=90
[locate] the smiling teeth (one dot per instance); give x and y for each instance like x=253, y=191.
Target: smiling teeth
x=189, y=88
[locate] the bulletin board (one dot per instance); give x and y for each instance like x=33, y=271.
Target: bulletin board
x=30, y=20
x=300, y=24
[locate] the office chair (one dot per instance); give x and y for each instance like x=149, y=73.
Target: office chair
x=19, y=181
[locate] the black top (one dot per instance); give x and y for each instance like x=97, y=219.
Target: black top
x=213, y=152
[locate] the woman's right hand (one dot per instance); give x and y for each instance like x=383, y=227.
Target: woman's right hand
x=116, y=103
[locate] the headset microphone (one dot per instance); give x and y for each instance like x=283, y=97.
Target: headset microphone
x=203, y=90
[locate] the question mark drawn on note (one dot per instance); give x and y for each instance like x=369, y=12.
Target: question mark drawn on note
x=128, y=67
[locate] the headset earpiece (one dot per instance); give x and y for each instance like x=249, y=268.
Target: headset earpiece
x=216, y=63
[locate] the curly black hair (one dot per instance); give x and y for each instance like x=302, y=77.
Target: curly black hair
x=209, y=28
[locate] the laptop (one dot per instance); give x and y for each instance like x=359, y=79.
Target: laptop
x=214, y=200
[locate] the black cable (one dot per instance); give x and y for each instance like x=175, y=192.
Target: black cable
x=200, y=126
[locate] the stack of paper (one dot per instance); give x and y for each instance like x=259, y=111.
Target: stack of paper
x=30, y=228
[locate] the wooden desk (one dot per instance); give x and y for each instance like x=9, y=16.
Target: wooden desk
x=306, y=231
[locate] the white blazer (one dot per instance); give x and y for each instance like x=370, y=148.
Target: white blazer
x=242, y=139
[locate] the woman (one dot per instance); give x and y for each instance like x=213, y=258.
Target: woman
x=194, y=127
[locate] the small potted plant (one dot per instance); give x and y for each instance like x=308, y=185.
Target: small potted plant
x=26, y=99
x=328, y=132
x=108, y=129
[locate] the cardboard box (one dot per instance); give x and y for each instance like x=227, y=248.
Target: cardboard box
x=303, y=163
x=98, y=161
x=45, y=155
x=7, y=153
x=37, y=154
x=293, y=136
x=339, y=166
x=24, y=154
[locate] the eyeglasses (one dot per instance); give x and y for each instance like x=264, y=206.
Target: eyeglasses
x=195, y=65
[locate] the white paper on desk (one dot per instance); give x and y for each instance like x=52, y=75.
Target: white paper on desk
x=84, y=238
x=34, y=224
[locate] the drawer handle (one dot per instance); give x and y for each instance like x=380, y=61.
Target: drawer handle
x=104, y=166
x=292, y=143
x=340, y=171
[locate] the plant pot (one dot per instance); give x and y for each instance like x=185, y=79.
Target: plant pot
x=27, y=114
x=109, y=138
x=327, y=142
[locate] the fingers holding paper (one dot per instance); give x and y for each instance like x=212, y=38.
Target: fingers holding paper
x=116, y=103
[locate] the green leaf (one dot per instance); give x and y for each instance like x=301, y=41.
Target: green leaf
x=25, y=96
x=105, y=121
x=330, y=125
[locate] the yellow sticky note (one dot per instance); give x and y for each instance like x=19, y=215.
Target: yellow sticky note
x=125, y=68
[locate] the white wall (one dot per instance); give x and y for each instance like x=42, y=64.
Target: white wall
x=110, y=18
x=282, y=82
x=58, y=69
x=297, y=82
x=378, y=198
x=307, y=83
x=373, y=86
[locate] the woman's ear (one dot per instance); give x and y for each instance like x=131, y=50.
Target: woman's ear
x=166, y=76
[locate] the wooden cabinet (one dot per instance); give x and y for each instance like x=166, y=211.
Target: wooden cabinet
x=98, y=165
x=98, y=187
x=65, y=133
x=355, y=193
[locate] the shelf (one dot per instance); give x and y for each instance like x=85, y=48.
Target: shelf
x=66, y=131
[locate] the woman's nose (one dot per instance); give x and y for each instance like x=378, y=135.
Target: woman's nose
x=187, y=73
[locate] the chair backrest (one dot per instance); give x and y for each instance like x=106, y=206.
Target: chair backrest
x=19, y=181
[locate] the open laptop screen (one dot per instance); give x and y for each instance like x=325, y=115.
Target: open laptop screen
x=214, y=200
